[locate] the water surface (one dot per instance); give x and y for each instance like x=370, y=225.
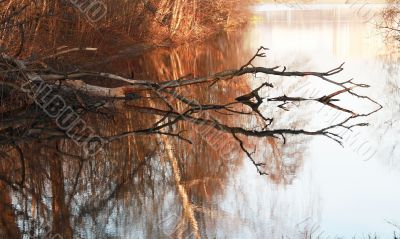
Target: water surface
x=314, y=185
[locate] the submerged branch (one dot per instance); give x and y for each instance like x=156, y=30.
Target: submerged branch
x=134, y=94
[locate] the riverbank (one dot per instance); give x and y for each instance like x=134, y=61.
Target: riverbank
x=28, y=28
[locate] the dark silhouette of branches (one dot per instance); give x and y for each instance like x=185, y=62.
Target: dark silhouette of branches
x=90, y=99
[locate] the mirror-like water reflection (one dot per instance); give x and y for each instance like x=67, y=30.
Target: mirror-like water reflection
x=342, y=191
x=157, y=187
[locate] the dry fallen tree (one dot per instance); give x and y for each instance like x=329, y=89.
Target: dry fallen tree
x=164, y=101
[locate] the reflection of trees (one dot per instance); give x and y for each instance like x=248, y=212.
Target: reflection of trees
x=8, y=224
x=67, y=192
x=93, y=198
x=139, y=179
x=383, y=142
x=283, y=161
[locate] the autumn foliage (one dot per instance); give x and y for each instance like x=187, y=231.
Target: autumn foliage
x=165, y=22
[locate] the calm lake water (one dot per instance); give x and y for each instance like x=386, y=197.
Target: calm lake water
x=337, y=192
x=314, y=187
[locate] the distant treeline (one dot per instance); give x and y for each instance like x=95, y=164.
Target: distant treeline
x=25, y=23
